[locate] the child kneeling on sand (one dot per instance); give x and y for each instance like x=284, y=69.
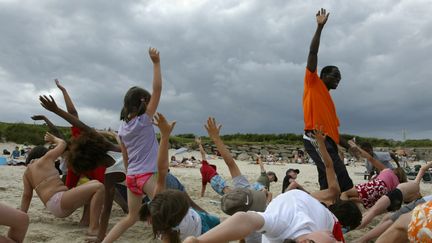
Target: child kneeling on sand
x=42, y=176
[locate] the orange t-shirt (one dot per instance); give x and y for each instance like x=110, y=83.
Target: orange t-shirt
x=318, y=106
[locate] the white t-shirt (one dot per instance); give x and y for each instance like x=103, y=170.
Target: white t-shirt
x=293, y=214
x=190, y=225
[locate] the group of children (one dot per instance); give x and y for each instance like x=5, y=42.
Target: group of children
x=135, y=156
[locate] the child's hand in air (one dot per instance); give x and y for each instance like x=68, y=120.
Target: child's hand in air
x=50, y=138
x=319, y=134
x=212, y=127
x=57, y=82
x=164, y=126
x=198, y=140
x=38, y=117
x=48, y=103
x=154, y=55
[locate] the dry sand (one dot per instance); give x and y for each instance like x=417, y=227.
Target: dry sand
x=44, y=227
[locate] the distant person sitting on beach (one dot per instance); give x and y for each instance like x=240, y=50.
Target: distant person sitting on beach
x=16, y=153
x=289, y=181
x=174, y=162
x=384, y=157
x=294, y=216
x=209, y=174
x=172, y=214
x=265, y=178
x=18, y=222
x=42, y=176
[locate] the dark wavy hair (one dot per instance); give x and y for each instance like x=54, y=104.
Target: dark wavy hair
x=135, y=102
x=347, y=212
x=88, y=151
x=167, y=210
x=36, y=153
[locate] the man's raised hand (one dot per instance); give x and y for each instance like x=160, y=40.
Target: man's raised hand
x=322, y=17
x=48, y=103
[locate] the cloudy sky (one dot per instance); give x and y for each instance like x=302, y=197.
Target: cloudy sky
x=240, y=61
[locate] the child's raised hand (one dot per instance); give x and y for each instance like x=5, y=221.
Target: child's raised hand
x=49, y=138
x=154, y=55
x=198, y=140
x=57, y=82
x=38, y=117
x=48, y=103
x=164, y=126
x=352, y=143
x=319, y=134
x=212, y=127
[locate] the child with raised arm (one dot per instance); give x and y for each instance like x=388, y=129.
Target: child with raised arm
x=294, y=215
x=42, y=176
x=263, y=181
x=210, y=175
x=89, y=151
x=369, y=192
x=18, y=222
x=172, y=213
x=139, y=146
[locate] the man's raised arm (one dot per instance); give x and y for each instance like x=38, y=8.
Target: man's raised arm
x=312, y=61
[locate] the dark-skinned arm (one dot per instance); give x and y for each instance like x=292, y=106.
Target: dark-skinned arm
x=51, y=127
x=321, y=18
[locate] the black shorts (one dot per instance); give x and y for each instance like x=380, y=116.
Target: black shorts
x=396, y=199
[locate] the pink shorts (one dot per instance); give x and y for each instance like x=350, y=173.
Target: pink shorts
x=54, y=206
x=135, y=183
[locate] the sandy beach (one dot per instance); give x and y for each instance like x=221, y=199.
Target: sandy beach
x=44, y=227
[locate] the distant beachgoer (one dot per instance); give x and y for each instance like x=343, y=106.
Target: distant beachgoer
x=265, y=178
x=139, y=146
x=18, y=222
x=209, y=174
x=289, y=181
x=294, y=215
x=384, y=157
x=16, y=153
x=174, y=162
x=42, y=176
x=172, y=214
x=318, y=108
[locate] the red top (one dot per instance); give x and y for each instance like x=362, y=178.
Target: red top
x=72, y=178
x=207, y=172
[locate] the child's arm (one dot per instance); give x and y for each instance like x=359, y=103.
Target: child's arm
x=162, y=162
x=56, y=152
x=51, y=105
x=380, y=166
x=422, y=171
x=260, y=164
x=213, y=130
x=236, y=227
x=203, y=189
x=157, y=82
x=27, y=193
x=51, y=127
x=124, y=155
x=69, y=104
x=203, y=154
x=333, y=191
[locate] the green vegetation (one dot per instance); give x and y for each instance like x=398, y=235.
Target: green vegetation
x=33, y=134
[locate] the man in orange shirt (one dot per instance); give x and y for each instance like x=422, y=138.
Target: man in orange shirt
x=319, y=110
